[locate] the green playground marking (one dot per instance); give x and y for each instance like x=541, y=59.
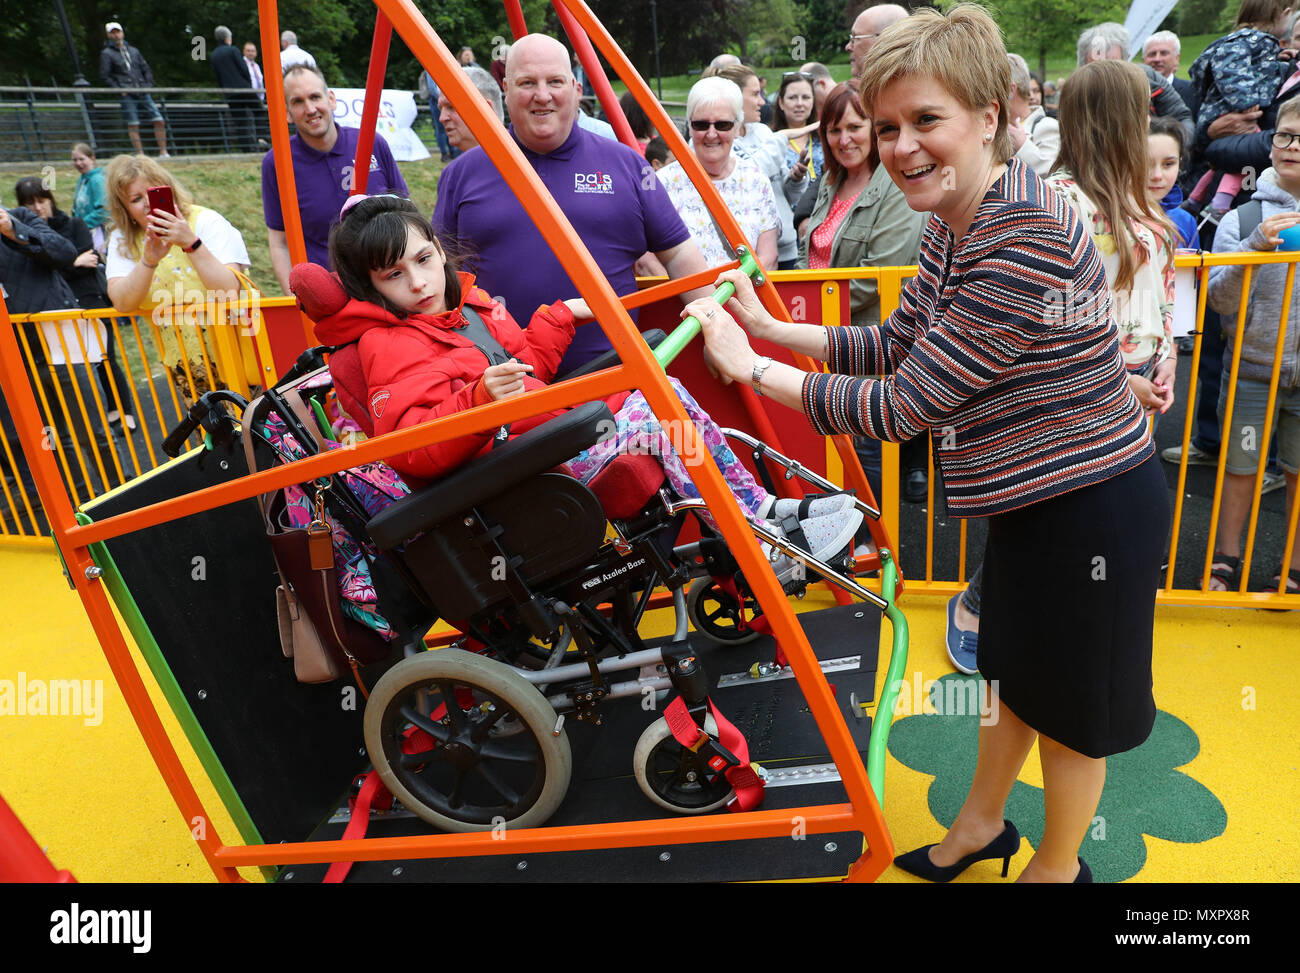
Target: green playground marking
x=1145, y=793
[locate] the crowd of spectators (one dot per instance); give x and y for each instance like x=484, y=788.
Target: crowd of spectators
x=798, y=168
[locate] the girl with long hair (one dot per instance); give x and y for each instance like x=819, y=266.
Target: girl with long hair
x=1102, y=171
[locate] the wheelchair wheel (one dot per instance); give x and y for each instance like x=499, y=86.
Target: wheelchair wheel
x=715, y=614
x=466, y=743
x=673, y=777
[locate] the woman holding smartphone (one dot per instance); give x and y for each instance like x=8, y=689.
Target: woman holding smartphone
x=165, y=250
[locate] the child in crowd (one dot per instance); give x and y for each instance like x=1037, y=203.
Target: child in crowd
x=1102, y=170
x=407, y=300
x=657, y=153
x=1166, y=151
x=1249, y=230
x=1234, y=74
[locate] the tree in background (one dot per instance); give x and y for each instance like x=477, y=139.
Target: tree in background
x=337, y=32
x=1035, y=28
x=825, y=25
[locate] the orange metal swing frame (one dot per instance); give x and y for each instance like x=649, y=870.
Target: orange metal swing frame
x=639, y=370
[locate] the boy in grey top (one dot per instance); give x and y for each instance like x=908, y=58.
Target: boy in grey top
x=1278, y=211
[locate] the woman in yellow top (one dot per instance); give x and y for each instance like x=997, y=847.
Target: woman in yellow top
x=157, y=259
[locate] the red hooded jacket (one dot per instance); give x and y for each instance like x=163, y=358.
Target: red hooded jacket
x=418, y=369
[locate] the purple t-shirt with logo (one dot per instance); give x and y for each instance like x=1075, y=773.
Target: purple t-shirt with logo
x=608, y=192
x=323, y=180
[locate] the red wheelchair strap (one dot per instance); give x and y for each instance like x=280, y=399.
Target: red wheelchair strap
x=373, y=792
x=759, y=623
x=741, y=776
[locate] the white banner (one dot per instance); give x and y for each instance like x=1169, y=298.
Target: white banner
x=1144, y=16
x=396, y=116
x=1185, y=298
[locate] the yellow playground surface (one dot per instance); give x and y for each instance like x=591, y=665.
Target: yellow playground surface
x=1209, y=798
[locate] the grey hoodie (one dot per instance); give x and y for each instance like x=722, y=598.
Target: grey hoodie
x=1265, y=308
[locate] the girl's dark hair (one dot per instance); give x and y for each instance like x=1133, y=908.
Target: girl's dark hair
x=1167, y=125
x=787, y=79
x=372, y=235
x=637, y=119
x=31, y=188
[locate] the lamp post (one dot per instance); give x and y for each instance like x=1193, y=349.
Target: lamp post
x=79, y=80
x=654, y=28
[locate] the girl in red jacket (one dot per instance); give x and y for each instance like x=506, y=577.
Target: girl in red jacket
x=407, y=299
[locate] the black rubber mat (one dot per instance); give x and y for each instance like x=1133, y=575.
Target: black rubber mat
x=777, y=723
x=287, y=747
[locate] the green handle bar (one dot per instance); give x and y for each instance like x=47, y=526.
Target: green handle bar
x=682, y=335
x=878, y=744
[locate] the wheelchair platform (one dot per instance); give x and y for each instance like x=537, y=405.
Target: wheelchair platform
x=783, y=737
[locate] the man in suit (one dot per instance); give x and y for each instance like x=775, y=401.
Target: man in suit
x=255, y=70
x=232, y=74
x=1161, y=53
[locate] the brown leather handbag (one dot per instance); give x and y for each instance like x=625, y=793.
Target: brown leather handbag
x=314, y=632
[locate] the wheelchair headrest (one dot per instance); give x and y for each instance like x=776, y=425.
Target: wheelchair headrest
x=541, y=448
x=318, y=290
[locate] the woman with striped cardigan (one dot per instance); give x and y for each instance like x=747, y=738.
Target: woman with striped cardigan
x=1005, y=347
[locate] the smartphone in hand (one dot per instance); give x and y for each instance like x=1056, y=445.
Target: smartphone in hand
x=160, y=197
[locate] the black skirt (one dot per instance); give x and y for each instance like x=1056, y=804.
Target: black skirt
x=1068, y=608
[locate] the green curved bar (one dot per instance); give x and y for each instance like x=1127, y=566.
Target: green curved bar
x=877, y=745
x=685, y=332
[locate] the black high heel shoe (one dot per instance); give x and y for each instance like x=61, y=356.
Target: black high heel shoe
x=1003, y=846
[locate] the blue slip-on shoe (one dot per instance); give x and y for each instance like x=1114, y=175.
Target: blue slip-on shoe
x=961, y=645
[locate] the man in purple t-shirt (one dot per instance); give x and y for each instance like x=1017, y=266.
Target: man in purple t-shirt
x=324, y=155
x=607, y=190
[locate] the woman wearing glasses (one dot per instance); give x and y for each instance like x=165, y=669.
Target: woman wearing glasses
x=795, y=119
x=715, y=112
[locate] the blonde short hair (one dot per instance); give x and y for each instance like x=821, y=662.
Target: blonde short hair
x=962, y=50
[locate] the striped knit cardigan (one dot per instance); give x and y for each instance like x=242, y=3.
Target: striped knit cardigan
x=1006, y=349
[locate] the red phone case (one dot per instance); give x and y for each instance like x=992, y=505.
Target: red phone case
x=160, y=197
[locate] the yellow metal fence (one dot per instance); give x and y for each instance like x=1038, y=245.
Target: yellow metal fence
x=167, y=367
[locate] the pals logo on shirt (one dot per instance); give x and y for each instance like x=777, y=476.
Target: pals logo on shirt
x=377, y=403
x=601, y=183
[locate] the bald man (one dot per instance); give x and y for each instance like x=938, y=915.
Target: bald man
x=867, y=27
x=607, y=190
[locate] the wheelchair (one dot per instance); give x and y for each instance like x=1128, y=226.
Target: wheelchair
x=547, y=580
